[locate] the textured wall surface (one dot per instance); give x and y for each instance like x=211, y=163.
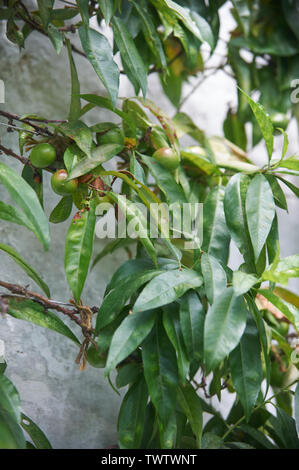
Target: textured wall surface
x=79, y=409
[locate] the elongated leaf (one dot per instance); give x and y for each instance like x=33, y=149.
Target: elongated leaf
x=171, y=323
x=216, y=237
x=284, y=427
x=131, y=419
x=289, y=310
x=116, y=298
x=264, y=122
x=246, y=367
x=287, y=295
x=25, y=197
x=192, y=317
x=137, y=220
x=75, y=105
x=80, y=133
x=214, y=277
x=292, y=163
x=165, y=180
x=166, y=288
x=107, y=7
x=151, y=35
x=11, y=434
x=260, y=212
x=78, y=249
x=242, y=282
x=9, y=398
x=99, y=54
x=128, y=336
x=160, y=371
x=99, y=155
x=131, y=267
x=235, y=215
x=35, y=313
x=224, y=327
x=62, y=211
x=193, y=21
x=191, y=405
x=289, y=185
x=36, y=434
x=282, y=270
x=259, y=439
x=130, y=56
x=26, y=267
x=278, y=194
x=11, y=214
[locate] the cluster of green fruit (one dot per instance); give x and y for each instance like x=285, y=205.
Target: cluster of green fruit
x=42, y=156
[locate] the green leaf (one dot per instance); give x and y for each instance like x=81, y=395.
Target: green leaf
x=25, y=197
x=160, y=371
x=289, y=310
x=132, y=61
x=11, y=214
x=258, y=437
x=137, y=222
x=212, y=441
x=191, y=405
x=150, y=34
x=128, y=336
x=246, y=367
x=224, y=327
x=260, y=212
x=171, y=323
x=128, y=268
x=99, y=54
x=80, y=133
x=56, y=37
x=78, y=249
x=264, y=121
x=75, y=105
x=278, y=194
x=62, y=211
x=36, y=434
x=216, y=238
x=35, y=313
x=193, y=21
x=127, y=374
x=289, y=185
x=243, y=282
x=26, y=267
x=292, y=163
x=131, y=419
x=281, y=271
x=34, y=178
x=192, y=318
x=284, y=427
x=165, y=180
x=98, y=155
x=235, y=215
x=44, y=9
x=117, y=297
x=106, y=103
x=11, y=434
x=107, y=8
x=198, y=157
x=9, y=398
x=214, y=277
x=166, y=288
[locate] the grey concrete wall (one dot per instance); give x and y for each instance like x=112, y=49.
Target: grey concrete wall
x=79, y=409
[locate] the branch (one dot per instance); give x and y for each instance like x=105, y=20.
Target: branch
x=40, y=130
x=9, y=152
x=24, y=293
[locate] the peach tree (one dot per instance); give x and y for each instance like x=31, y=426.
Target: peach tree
x=176, y=325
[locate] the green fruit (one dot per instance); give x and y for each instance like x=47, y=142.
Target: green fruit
x=167, y=157
x=94, y=358
x=113, y=136
x=42, y=155
x=61, y=186
x=283, y=328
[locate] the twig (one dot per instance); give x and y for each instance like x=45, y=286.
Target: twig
x=23, y=292
x=9, y=152
x=14, y=117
